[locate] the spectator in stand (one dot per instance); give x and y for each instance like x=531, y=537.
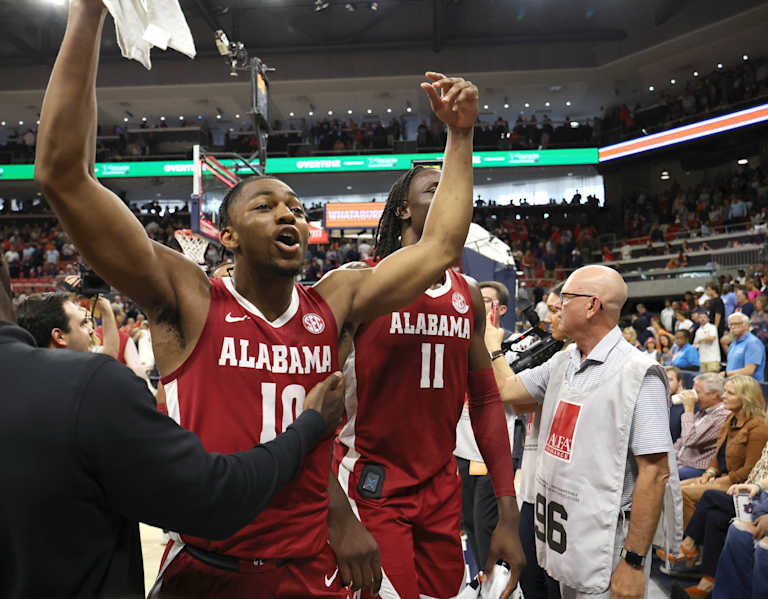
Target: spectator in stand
x=739, y=443
x=742, y=570
x=687, y=356
x=675, y=378
x=699, y=430
x=746, y=354
x=743, y=304
x=751, y=289
x=729, y=300
x=651, y=348
x=656, y=329
x=716, y=308
x=665, y=348
x=630, y=335
x=683, y=322
x=667, y=316
x=705, y=539
x=706, y=340
x=626, y=251
x=758, y=324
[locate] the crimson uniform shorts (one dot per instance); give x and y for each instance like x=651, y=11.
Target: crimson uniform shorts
x=418, y=536
x=187, y=577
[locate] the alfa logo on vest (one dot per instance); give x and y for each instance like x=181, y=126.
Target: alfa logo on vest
x=560, y=437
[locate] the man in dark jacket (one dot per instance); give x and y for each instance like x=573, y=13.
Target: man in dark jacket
x=86, y=455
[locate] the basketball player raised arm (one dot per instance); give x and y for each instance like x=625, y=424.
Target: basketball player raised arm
x=266, y=226
x=173, y=290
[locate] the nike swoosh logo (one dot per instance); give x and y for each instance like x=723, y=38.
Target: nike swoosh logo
x=329, y=581
x=230, y=318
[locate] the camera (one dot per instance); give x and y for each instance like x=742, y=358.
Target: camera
x=90, y=284
x=540, y=351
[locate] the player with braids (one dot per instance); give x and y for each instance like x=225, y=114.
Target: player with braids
x=388, y=232
x=416, y=365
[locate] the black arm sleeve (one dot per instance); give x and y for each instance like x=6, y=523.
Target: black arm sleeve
x=154, y=471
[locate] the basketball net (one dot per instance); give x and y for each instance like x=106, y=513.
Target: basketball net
x=192, y=245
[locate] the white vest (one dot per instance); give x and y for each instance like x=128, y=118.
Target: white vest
x=528, y=467
x=582, y=458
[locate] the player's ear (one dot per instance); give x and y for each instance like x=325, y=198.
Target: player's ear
x=229, y=238
x=404, y=212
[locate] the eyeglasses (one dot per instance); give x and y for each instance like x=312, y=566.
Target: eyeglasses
x=566, y=297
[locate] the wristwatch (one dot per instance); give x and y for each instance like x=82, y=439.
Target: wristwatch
x=635, y=560
x=496, y=354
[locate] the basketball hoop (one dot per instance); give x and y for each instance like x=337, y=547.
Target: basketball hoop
x=192, y=245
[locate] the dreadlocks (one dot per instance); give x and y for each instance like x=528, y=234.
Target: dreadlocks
x=388, y=233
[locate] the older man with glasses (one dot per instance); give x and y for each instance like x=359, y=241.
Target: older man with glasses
x=746, y=353
x=604, y=445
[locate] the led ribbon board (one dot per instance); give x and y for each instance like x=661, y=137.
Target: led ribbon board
x=734, y=120
x=325, y=164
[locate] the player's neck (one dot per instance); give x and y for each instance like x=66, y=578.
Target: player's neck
x=269, y=292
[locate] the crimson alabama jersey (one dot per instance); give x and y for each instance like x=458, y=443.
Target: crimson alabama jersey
x=406, y=382
x=243, y=384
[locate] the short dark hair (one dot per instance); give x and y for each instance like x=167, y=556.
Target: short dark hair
x=233, y=195
x=714, y=286
x=677, y=372
x=41, y=313
x=501, y=291
x=684, y=332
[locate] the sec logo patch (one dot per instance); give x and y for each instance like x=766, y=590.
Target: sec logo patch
x=314, y=323
x=459, y=303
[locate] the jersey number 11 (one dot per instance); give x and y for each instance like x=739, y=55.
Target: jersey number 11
x=426, y=363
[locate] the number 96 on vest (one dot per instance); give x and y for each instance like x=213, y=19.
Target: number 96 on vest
x=552, y=517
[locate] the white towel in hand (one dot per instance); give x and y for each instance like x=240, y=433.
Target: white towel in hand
x=141, y=24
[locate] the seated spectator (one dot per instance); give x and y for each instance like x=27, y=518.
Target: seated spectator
x=657, y=328
x=743, y=304
x=739, y=443
x=699, y=430
x=686, y=355
x=705, y=535
x=706, y=342
x=676, y=386
x=742, y=570
x=746, y=354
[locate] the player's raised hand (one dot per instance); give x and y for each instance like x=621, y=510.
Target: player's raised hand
x=327, y=398
x=454, y=100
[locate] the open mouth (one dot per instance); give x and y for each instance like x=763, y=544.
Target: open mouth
x=288, y=239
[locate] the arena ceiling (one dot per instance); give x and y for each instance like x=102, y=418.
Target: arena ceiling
x=587, y=52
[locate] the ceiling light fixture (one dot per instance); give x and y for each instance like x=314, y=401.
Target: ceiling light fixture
x=181, y=117
x=237, y=116
x=350, y=7
x=311, y=113
x=527, y=105
x=651, y=88
x=290, y=114
x=389, y=110
x=568, y=103
x=349, y=111
x=330, y=113
x=742, y=161
x=321, y=5
x=369, y=111
x=546, y=104
x=719, y=65
x=673, y=81
x=695, y=73
x=374, y=6
x=162, y=118
x=506, y=105
x=745, y=57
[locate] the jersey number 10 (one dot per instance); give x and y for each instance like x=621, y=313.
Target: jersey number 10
x=426, y=363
